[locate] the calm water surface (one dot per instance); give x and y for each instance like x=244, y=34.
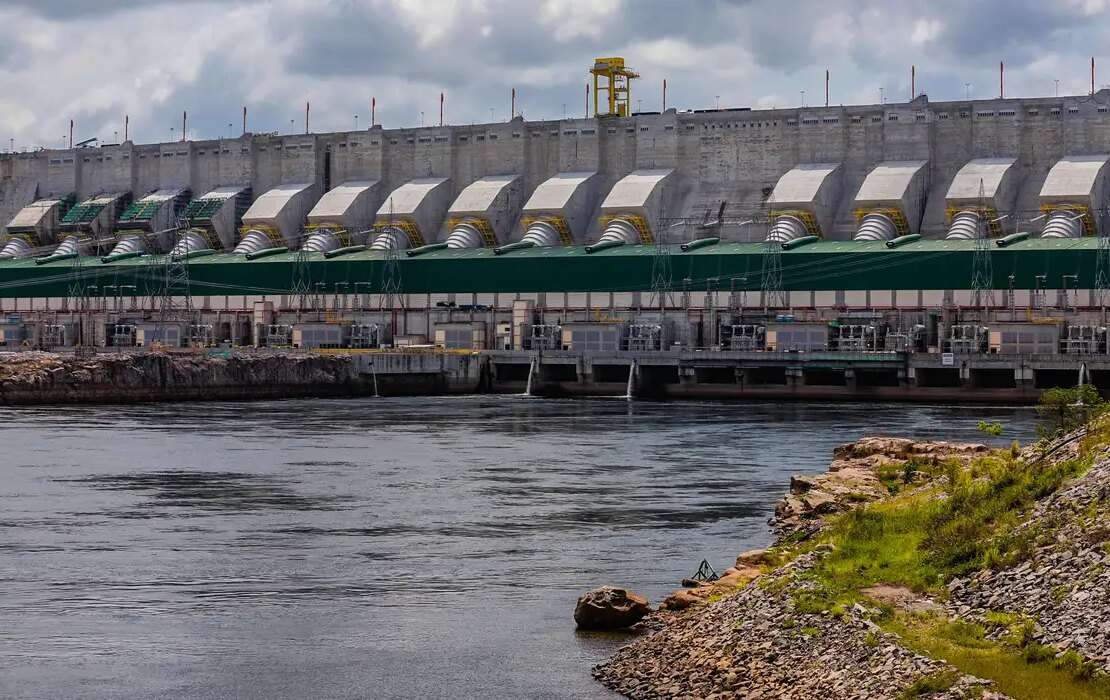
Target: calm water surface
x=379, y=547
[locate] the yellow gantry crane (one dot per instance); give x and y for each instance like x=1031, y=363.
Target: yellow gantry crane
x=611, y=75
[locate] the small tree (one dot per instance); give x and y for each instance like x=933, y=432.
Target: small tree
x=1064, y=410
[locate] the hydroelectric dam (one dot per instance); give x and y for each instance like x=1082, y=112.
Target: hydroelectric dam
x=931, y=250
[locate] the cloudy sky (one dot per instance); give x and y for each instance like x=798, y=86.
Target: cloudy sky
x=96, y=60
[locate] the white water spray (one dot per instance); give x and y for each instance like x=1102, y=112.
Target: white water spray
x=631, y=381
x=531, y=372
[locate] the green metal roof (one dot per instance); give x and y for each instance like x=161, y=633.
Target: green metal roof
x=824, y=265
x=83, y=213
x=142, y=210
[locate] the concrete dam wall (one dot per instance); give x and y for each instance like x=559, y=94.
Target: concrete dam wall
x=828, y=167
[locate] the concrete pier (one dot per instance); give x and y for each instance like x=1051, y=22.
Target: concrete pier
x=863, y=376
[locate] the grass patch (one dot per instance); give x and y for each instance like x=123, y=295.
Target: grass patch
x=962, y=519
x=933, y=683
x=1032, y=673
x=975, y=526
x=965, y=522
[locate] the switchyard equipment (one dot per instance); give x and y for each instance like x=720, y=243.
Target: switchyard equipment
x=279, y=335
x=851, y=337
x=890, y=201
x=368, y=335
x=911, y=339
x=645, y=337
x=123, y=335
x=615, y=79
x=964, y=338
x=747, y=337
x=58, y=335
x=201, y=335
x=544, y=336
x=1084, y=339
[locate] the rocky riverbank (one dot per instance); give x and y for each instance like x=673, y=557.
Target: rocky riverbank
x=909, y=569
x=46, y=378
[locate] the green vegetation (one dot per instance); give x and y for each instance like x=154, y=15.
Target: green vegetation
x=954, y=521
x=1064, y=410
x=1033, y=671
x=934, y=683
x=992, y=429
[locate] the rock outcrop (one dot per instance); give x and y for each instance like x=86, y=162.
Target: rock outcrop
x=609, y=608
x=854, y=477
x=39, y=377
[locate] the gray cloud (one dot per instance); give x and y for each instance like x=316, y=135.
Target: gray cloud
x=211, y=57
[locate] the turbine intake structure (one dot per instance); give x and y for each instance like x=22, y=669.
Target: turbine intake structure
x=1072, y=193
x=558, y=212
x=95, y=218
x=483, y=213
x=980, y=190
x=410, y=213
x=343, y=216
x=890, y=201
x=631, y=212
x=219, y=213
x=276, y=218
x=33, y=226
x=152, y=216
x=804, y=201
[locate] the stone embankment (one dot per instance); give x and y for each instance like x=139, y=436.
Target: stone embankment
x=45, y=378
x=772, y=635
x=755, y=644
x=1064, y=586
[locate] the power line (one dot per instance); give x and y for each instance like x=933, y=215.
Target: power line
x=174, y=286
x=982, y=275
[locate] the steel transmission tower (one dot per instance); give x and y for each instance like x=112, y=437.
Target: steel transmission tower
x=392, y=287
x=773, y=293
x=982, y=275
x=661, y=276
x=174, y=286
x=1102, y=261
x=301, y=284
x=79, y=292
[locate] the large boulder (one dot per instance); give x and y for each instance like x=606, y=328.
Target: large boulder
x=609, y=608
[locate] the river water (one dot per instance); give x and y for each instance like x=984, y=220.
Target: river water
x=380, y=547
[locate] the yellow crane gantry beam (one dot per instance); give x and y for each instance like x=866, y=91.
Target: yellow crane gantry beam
x=612, y=76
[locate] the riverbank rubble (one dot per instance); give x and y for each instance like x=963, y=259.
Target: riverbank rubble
x=45, y=378
x=908, y=569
